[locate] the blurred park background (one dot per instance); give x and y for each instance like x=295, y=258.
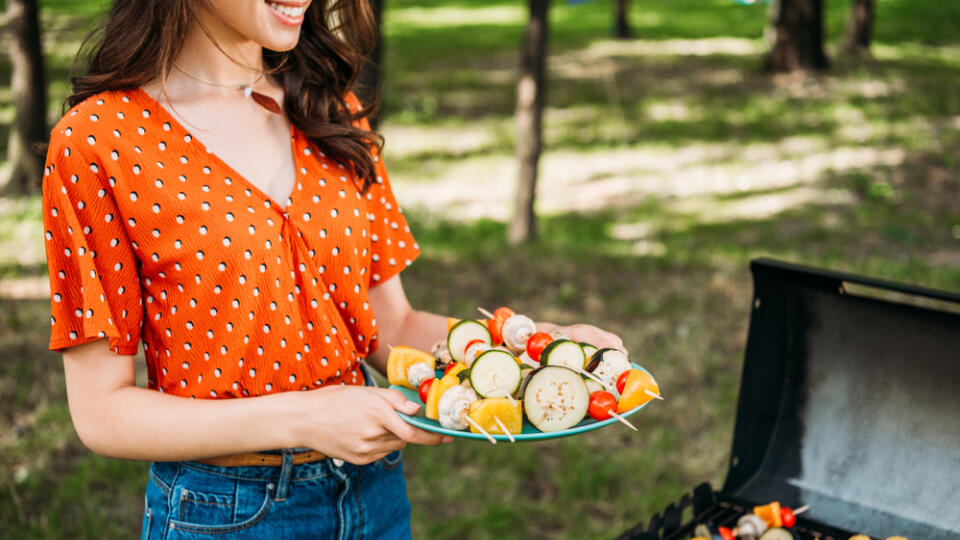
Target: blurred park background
x=670, y=160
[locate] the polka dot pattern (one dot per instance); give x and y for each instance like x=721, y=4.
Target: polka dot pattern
x=151, y=237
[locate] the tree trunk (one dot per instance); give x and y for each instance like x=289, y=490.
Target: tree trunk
x=529, y=114
x=371, y=74
x=621, y=24
x=796, y=33
x=860, y=28
x=28, y=91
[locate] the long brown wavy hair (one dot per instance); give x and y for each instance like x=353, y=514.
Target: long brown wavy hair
x=139, y=40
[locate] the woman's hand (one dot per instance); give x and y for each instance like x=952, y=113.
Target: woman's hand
x=586, y=333
x=359, y=424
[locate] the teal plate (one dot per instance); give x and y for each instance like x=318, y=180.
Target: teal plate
x=529, y=433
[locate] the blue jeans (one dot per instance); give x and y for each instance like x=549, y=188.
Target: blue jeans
x=312, y=500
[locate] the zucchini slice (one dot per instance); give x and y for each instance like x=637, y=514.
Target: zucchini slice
x=563, y=352
x=494, y=374
x=555, y=398
x=462, y=333
x=588, y=350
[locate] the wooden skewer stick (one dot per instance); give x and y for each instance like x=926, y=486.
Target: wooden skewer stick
x=485, y=313
x=801, y=510
x=476, y=425
x=504, y=428
x=658, y=396
x=501, y=387
x=622, y=420
x=592, y=376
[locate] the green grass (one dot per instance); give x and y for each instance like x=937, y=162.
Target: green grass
x=714, y=164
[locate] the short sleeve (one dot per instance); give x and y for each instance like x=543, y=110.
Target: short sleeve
x=94, y=283
x=393, y=247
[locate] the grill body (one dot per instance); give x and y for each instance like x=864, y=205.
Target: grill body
x=849, y=403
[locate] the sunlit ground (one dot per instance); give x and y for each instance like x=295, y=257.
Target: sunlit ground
x=670, y=161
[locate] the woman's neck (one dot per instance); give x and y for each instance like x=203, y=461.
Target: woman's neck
x=228, y=59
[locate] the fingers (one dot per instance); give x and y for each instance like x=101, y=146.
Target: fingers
x=398, y=401
x=408, y=433
x=592, y=334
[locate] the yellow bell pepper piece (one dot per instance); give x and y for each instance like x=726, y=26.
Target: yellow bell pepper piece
x=400, y=360
x=485, y=412
x=439, y=387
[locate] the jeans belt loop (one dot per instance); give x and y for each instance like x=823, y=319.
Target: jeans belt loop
x=285, y=471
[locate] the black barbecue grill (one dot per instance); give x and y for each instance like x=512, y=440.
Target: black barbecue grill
x=849, y=403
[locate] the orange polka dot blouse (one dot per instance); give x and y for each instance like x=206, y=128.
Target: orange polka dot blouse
x=151, y=237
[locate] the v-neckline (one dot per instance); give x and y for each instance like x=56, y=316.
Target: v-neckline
x=282, y=208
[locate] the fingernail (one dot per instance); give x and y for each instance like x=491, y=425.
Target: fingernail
x=447, y=439
x=411, y=406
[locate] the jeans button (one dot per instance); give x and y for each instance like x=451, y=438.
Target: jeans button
x=338, y=462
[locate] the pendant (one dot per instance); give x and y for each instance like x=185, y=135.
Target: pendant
x=247, y=90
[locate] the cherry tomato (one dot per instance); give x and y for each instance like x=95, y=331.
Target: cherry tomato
x=536, y=343
x=503, y=313
x=787, y=516
x=726, y=533
x=425, y=388
x=601, y=403
x=622, y=380
x=496, y=330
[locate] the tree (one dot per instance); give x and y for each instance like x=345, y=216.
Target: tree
x=371, y=74
x=796, y=33
x=28, y=90
x=859, y=28
x=621, y=24
x=529, y=117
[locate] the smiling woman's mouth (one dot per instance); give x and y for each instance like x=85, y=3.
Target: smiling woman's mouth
x=290, y=13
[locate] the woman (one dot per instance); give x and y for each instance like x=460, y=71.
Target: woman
x=216, y=192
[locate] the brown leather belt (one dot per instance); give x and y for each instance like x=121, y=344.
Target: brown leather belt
x=253, y=459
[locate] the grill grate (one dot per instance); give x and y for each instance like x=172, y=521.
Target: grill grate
x=717, y=509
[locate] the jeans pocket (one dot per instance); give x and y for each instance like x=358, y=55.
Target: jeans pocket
x=205, y=502
x=391, y=461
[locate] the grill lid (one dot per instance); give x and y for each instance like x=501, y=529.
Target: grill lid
x=850, y=402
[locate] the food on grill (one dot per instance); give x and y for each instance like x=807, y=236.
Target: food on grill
x=495, y=374
x=536, y=343
x=639, y=388
x=516, y=331
x=463, y=333
x=778, y=533
x=555, y=398
x=409, y=367
x=750, y=526
x=490, y=413
x=608, y=365
x=453, y=406
x=449, y=380
x=770, y=514
x=601, y=403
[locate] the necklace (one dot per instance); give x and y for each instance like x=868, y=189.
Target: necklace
x=263, y=100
